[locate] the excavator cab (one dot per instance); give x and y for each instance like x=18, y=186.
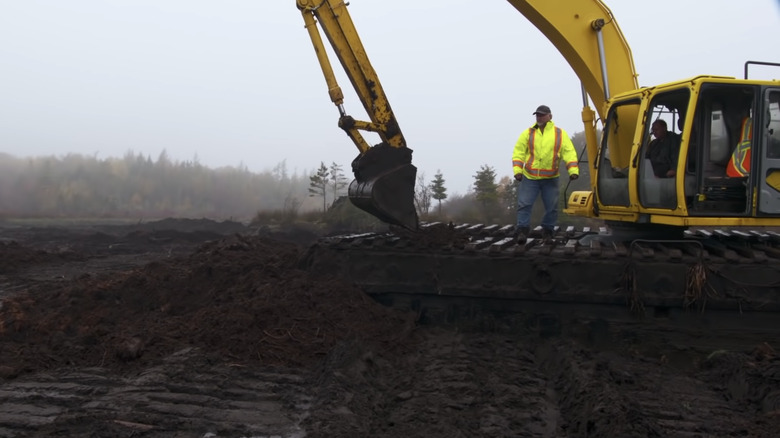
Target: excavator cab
x=722, y=161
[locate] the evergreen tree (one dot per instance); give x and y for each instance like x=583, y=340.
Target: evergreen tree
x=280, y=171
x=486, y=193
x=485, y=187
x=318, y=184
x=337, y=180
x=439, y=192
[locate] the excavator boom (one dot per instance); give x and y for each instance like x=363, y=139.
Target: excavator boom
x=589, y=38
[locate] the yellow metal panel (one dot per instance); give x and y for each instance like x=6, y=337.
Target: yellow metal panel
x=569, y=25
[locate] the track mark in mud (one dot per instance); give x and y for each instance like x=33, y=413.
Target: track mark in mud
x=9, y=286
x=514, y=393
x=456, y=384
x=610, y=394
x=159, y=402
x=519, y=384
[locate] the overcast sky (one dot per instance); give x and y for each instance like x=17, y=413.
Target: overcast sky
x=236, y=81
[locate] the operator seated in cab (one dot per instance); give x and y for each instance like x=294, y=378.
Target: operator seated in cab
x=664, y=150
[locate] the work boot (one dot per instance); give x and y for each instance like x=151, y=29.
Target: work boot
x=521, y=235
x=547, y=235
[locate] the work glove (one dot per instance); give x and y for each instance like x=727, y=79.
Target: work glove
x=519, y=176
x=573, y=176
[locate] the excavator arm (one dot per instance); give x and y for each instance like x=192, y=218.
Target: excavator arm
x=384, y=176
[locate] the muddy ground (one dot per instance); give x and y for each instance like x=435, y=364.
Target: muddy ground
x=196, y=328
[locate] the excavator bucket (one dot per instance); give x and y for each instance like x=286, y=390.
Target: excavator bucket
x=384, y=185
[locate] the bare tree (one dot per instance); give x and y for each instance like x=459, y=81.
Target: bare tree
x=507, y=196
x=422, y=195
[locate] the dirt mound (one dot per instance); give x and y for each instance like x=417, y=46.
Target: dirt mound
x=13, y=256
x=241, y=299
x=436, y=235
x=190, y=225
x=145, y=330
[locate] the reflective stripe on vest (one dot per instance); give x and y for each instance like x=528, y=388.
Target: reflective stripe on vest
x=739, y=163
x=548, y=172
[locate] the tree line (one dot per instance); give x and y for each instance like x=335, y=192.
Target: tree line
x=137, y=186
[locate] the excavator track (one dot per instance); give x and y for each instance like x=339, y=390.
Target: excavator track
x=710, y=278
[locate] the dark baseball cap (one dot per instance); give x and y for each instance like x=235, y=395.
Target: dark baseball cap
x=543, y=110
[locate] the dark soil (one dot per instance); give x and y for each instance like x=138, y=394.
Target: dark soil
x=203, y=328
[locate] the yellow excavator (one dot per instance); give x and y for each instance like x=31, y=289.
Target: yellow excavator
x=695, y=233
x=728, y=164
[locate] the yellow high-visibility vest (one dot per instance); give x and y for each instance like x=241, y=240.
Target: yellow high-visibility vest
x=739, y=163
x=538, y=155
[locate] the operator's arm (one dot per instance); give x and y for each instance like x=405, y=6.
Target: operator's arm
x=569, y=155
x=520, y=155
x=674, y=150
x=674, y=154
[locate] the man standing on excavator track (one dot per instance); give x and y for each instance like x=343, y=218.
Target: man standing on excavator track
x=535, y=161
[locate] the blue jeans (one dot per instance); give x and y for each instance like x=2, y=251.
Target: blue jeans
x=526, y=196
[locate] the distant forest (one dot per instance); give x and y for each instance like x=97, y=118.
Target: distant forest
x=136, y=186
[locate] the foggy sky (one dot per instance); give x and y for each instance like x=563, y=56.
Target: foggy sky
x=236, y=81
